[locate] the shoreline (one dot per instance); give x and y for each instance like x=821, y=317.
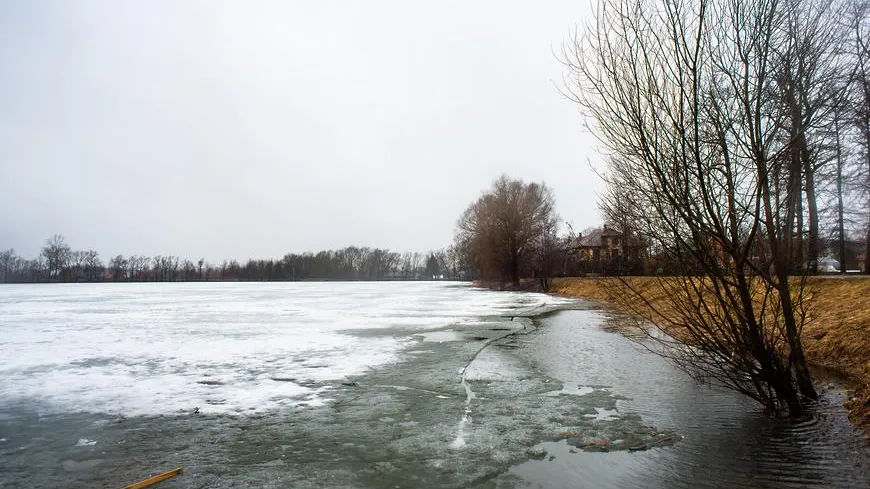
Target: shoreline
x=836, y=337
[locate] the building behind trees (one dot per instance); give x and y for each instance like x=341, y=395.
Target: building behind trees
x=606, y=251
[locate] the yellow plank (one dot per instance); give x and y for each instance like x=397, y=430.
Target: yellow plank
x=154, y=480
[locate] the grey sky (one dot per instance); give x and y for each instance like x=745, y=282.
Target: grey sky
x=238, y=129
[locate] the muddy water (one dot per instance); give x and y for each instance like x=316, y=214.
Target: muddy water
x=553, y=401
x=725, y=442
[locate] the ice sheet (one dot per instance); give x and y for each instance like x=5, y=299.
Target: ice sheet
x=148, y=349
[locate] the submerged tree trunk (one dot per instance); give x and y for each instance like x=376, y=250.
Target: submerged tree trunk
x=779, y=279
x=796, y=357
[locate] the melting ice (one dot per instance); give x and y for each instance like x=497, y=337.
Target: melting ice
x=148, y=349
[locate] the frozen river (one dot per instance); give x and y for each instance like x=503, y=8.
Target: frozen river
x=150, y=349
x=372, y=385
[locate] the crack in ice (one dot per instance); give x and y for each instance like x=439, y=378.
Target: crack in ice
x=462, y=427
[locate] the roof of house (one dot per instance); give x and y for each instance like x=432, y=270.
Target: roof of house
x=593, y=239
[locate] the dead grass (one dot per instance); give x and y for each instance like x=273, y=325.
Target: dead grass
x=836, y=336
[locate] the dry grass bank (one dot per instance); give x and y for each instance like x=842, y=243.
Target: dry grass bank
x=837, y=335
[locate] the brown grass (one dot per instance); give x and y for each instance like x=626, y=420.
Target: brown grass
x=837, y=334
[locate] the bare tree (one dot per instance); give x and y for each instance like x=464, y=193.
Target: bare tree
x=859, y=18
x=7, y=262
x=412, y=265
x=809, y=66
x=618, y=206
x=681, y=95
x=548, y=254
x=499, y=230
x=57, y=255
x=77, y=265
x=118, y=268
x=93, y=267
x=443, y=259
x=189, y=270
x=137, y=265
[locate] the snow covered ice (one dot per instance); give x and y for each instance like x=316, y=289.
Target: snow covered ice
x=150, y=349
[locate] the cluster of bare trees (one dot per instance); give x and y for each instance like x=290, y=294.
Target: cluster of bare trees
x=511, y=232
x=140, y=268
x=733, y=130
x=58, y=262
x=814, y=86
x=351, y=263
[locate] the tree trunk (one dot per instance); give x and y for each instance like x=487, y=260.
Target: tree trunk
x=781, y=272
x=793, y=231
x=840, y=211
x=515, y=269
x=772, y=372
x=796, y=354
x=786, y=393
x=794, y=213
x=867, y=157
x=867, y=250
x=813, y=214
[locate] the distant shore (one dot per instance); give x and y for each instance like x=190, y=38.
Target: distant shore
x=837, y=335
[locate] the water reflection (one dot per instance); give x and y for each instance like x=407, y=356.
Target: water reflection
x=726, y=443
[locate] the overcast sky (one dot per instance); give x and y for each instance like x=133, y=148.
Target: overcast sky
x=238, y=129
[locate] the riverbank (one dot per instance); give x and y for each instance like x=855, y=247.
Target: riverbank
x=836, y=336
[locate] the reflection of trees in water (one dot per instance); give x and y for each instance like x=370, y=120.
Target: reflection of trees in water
x=726, y=441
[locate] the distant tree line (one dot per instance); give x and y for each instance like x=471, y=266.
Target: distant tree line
x=58, y=262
